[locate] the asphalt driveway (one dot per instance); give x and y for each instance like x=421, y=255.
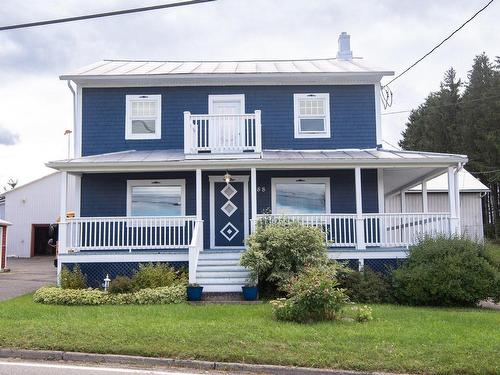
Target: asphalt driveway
x=26, y=275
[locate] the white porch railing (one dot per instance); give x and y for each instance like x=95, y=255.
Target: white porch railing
x=404, y=229
x=222, y=134
x=339, y=229
x=381, y=230
x=129, y=233
x=195, y=248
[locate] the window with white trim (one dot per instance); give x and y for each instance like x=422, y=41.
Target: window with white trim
x=300, y=195
x=143, y=117
x=156, y=197
x=312, y=115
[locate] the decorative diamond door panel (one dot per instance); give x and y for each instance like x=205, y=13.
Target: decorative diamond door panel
x=229, y=214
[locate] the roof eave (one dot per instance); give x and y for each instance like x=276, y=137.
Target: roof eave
x=242, y=163
x=224, y=78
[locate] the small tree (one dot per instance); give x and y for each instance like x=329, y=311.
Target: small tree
x=280, y=249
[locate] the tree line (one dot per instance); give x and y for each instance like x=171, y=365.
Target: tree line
x=464, y=118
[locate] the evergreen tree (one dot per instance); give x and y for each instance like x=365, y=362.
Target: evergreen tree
x=434, y=125
x=464, y=124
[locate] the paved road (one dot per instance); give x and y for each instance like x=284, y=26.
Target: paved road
x=17, y=367
x=26, y=275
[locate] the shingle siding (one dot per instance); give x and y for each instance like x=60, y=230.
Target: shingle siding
x=352, y=115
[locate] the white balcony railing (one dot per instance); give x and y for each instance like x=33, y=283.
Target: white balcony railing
x=222, y=134
x=129, y=233
x=381, y=230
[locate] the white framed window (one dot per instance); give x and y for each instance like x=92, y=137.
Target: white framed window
x=143, y=117
x=156, y=197
x=309, y=195
x=311, y=115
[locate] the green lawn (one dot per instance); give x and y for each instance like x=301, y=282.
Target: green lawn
x=400, y=339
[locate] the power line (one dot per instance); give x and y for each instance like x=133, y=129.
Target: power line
x=441, y=43
x=105, y=14
x=445, y=105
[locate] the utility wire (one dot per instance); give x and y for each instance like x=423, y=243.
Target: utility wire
x=440, y=44
x=445, y=105
x=105, y=14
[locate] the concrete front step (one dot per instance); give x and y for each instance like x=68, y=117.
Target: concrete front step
x=222, y=275
x=221, y=280
x=220, y=268
x=222, y=288
x=209, y=255
x=219, y=262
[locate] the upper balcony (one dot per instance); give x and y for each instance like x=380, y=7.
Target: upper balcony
x=222, y=135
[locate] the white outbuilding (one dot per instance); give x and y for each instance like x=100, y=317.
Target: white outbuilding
x=471, y=192
x=31, y=208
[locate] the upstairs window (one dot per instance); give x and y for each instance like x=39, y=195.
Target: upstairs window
x=312, y=115
x=143, y=117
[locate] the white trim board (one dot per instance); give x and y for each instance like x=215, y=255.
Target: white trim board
x=246, y=217
x=296, y=116
x=157, y=182
x=303, y=180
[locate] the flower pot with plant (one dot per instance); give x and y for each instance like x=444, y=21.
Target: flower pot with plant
x=194, y=292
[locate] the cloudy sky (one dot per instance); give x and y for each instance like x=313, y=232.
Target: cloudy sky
x=36, y=108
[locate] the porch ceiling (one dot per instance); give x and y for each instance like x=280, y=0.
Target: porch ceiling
x=161, y=160
x=397, y=179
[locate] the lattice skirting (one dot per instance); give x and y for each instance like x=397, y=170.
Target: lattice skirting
x=96, y=272
x=378, y=265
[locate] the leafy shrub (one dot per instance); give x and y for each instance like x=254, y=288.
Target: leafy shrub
x=362, y=313
x=280, y=249
x=156, y=276
x=121, y=284
x=365, y=286
x=58, y=296
x=446, y=271
x=73, y=279
x=313, y=296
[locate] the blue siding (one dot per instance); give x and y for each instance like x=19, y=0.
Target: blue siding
x=342, y=189
x=352, y=113
x=105, y=194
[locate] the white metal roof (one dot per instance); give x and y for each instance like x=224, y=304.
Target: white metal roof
x=130, y=68
x=466, y=183
x=292, y=158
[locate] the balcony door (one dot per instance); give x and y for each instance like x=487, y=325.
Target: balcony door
x=226, y=133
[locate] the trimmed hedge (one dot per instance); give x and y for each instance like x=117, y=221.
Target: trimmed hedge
x=58, y=296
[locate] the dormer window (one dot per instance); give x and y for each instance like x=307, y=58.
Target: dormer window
x=143, y=117
x=312, y=115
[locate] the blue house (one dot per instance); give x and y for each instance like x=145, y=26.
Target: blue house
x=176, y=161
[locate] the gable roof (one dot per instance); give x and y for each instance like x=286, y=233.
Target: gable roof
x=466, y=183
x=19, y=187
x=239, y=69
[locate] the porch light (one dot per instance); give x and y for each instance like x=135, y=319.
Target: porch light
x=106, y=283
x=227, y=178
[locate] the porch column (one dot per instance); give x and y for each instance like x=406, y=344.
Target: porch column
x=403, y=201
x=61, y=238
x=425, y=203
x=452, y=203
x=457, y=201
x=199, y=195
x=253, y=189
x=381, y=205
x=360, y=227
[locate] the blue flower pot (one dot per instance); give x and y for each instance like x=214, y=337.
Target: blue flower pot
x=250, y=293
x=194, y=293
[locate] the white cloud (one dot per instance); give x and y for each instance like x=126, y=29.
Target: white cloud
x=8, y=138
x=388, y=33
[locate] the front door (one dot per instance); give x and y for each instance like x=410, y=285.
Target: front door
x=226, y=131
x=228, y=212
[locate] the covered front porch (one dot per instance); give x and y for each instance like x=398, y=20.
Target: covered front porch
x=213, y=207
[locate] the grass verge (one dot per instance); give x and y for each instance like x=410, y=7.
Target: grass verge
x=400, y=339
